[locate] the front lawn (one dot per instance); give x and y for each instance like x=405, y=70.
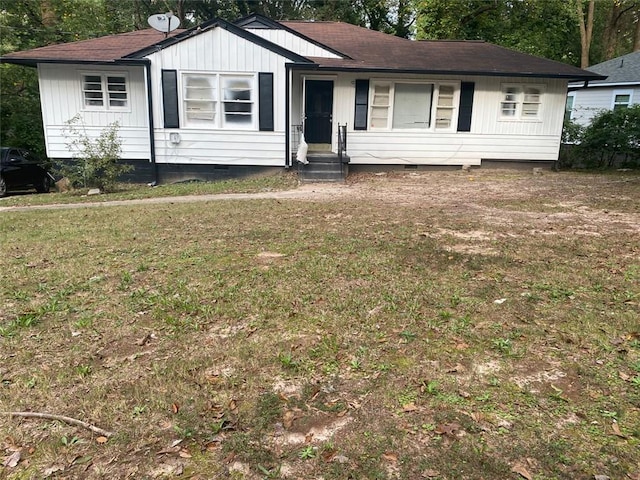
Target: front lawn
x=443, y=325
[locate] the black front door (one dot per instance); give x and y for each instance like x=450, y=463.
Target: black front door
x=318, y=106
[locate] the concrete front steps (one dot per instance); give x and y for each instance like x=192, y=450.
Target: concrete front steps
x=324, y=167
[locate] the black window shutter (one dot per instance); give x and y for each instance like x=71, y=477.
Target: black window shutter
x=170, y=98
x=362, y=100
x=466, y=106
x=265, y=93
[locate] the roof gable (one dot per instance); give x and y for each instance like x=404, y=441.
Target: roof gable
x=259, y=22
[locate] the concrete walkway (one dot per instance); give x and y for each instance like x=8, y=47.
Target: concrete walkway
x=303, y=192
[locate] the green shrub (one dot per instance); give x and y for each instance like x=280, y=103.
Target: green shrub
x=612, y=139
x=96, y=160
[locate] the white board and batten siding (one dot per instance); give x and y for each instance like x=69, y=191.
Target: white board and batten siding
x=217, y=51
x=62, y=99
x=491, y=136
x=588, y=102
x=293, y=43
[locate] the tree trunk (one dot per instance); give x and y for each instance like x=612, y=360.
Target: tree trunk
x=636, y=42
x=586, y=30
x=48, y=14
x=610, y=37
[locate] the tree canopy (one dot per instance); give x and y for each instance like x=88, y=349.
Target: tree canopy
x=579, y=32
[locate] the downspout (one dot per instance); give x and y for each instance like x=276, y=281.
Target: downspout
x=287, y=115
x=152, y=140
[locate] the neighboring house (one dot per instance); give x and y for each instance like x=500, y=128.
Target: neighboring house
x=225, y=97
x=620, y=89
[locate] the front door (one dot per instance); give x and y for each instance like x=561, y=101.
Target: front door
x=318, y=107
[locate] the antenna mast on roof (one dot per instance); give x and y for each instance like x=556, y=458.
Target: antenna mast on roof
x=164, y=22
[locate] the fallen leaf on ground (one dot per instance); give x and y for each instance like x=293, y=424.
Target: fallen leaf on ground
x=457, y=368
x=51, y=470
x=430, y=473
x=184, y=453
x=390, y=457
x=175, y=449
x=522, y=471
x=12, y=460
x=288, y=419
x=175, y=408
x=102, y=440
x=409, y=407
x=327, y=455
x=447, y=429
x=616, y=430
x=144, y=340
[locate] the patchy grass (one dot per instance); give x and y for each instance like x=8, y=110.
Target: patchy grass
x=438, y=326
x=127, y=191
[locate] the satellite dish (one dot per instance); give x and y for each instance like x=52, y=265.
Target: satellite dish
x=164, y=22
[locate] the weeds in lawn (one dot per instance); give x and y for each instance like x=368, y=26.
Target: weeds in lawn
x=351, y=338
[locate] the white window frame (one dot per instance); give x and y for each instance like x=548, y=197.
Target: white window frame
x=516, y=94
x=218, y=117
x=106, y=92
x=437, y=105
x=572, y=96
x=617, y=93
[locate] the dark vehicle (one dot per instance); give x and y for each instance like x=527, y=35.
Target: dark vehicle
x=20, y=168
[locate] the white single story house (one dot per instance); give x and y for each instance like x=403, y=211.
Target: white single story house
x=225, y=97
x=620, y=89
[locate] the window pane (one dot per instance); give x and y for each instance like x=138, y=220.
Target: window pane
x=508, y=109
x=443, y=117
x=445, y=96
x=623, y=98
x=237, y=104
x=200, y=95
x=510, y=94
x=530, y=109
x=381, y=95
x=379, y=117
x=237, y=89
x=199, y=88
x=532, y=95
x=92, y=90
x=411, y=104
x=117, y=89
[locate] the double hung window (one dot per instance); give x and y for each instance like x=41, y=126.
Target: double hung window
x=621, y=99
x=521, y=102
x=219, y=101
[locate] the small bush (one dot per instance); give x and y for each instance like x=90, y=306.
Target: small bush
x=95, y=159
x=612, y=139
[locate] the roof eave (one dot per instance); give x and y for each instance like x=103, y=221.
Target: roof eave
x=33, y=62
x=483, y=73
